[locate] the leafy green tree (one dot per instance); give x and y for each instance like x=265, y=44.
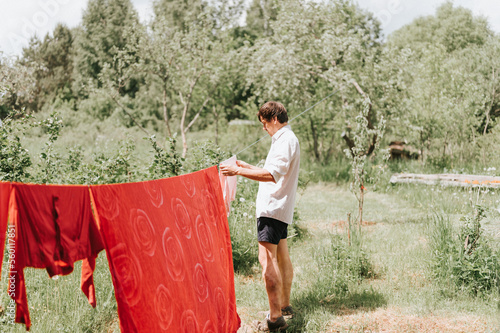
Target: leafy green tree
x=452, y=27
x=102, y=35
x=52, y=63
x=178, y=14
x=450, y=83
x=17, y=86
x=308, y=58
x=158, y=58
x=259, y=16
x=182, y=60
x=183, y=14
x=14, y=158
x=200, y=54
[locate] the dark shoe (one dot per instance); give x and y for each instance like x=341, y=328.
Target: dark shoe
x=271, y=326
x=287, y=312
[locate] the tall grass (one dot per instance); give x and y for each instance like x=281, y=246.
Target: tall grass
x=465, y=257
x=58, y=304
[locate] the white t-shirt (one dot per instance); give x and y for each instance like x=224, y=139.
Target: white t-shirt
x=277, y=200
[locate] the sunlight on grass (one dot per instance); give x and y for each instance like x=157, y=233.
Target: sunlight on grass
x=58, y=304
x=402, y=294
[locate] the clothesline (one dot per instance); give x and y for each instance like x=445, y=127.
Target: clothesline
x=167, y=242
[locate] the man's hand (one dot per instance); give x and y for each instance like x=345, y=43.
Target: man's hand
x=247, y=170
x=243, y=164
x=229, y=170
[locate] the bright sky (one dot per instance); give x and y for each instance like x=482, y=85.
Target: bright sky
x=21, y=19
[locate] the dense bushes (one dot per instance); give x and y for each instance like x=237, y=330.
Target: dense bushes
x=14, y=158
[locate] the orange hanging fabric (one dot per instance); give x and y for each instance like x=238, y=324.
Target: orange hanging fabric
x=54, y=227
x=169, y=253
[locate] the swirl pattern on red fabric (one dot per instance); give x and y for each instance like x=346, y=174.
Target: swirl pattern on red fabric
x=144, y=231
x=155, y=192
x=174, y=271
x=182, y=219
x=204, y=236
x=174, y=255
x=164, y=304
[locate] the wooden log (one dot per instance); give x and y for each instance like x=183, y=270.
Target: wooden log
x=447, y=180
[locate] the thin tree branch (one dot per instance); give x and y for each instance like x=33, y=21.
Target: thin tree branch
x=126, y=110
x=197, y=115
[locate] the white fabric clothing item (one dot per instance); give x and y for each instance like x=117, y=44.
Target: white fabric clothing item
x=277, y=200
x=228, y=184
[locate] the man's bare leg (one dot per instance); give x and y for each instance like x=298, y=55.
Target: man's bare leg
x=272, y=277
x=286, y=270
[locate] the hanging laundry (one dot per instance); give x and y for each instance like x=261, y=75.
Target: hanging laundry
x=228, y=184
x=54, y=227
x=4, y=216
x=169, y=253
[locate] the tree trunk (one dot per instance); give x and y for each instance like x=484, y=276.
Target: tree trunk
x=181, y=125
x=216, y=116
x=183, y=132
x=331, y=150
x=493, y=93
x=315, y=139
x=263, y=4
x=165, y=111
x=361, y=202
x=422, y=146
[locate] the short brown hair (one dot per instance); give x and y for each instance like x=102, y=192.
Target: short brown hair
x=273, y=109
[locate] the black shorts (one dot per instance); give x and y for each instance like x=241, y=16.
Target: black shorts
x=271, y=230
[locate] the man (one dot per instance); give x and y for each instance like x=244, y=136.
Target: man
x=275, y=202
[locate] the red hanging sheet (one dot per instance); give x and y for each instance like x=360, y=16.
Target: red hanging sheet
x=54, y=227
x=4, y=215
x=169, y=253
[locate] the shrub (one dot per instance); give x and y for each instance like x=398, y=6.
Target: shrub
x=14, y=158
x=50, y=168
x=242, y=226
x=338, y=170
x=340, y=265
x=98, y=105
x=466, y=258
x=166, y=163
x=204, y=155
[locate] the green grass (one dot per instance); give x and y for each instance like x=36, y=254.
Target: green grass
x=58, y=305
x=396, y=240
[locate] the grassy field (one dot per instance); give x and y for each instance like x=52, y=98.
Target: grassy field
x=401, y=295
x=397, y=295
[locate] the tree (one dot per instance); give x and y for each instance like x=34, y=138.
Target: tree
x=178, y=14
x=200, y=53
x=366, y=140
x=102, y=35
x=52, y=63
x=452, y=27
x=259, y=16
x=17, y=86
x=308, y=58
x=450, y=81
x=182, y=54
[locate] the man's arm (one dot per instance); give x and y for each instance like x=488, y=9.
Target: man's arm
x=248, y=171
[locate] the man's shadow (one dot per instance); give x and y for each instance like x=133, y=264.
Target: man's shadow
x=307, y=303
